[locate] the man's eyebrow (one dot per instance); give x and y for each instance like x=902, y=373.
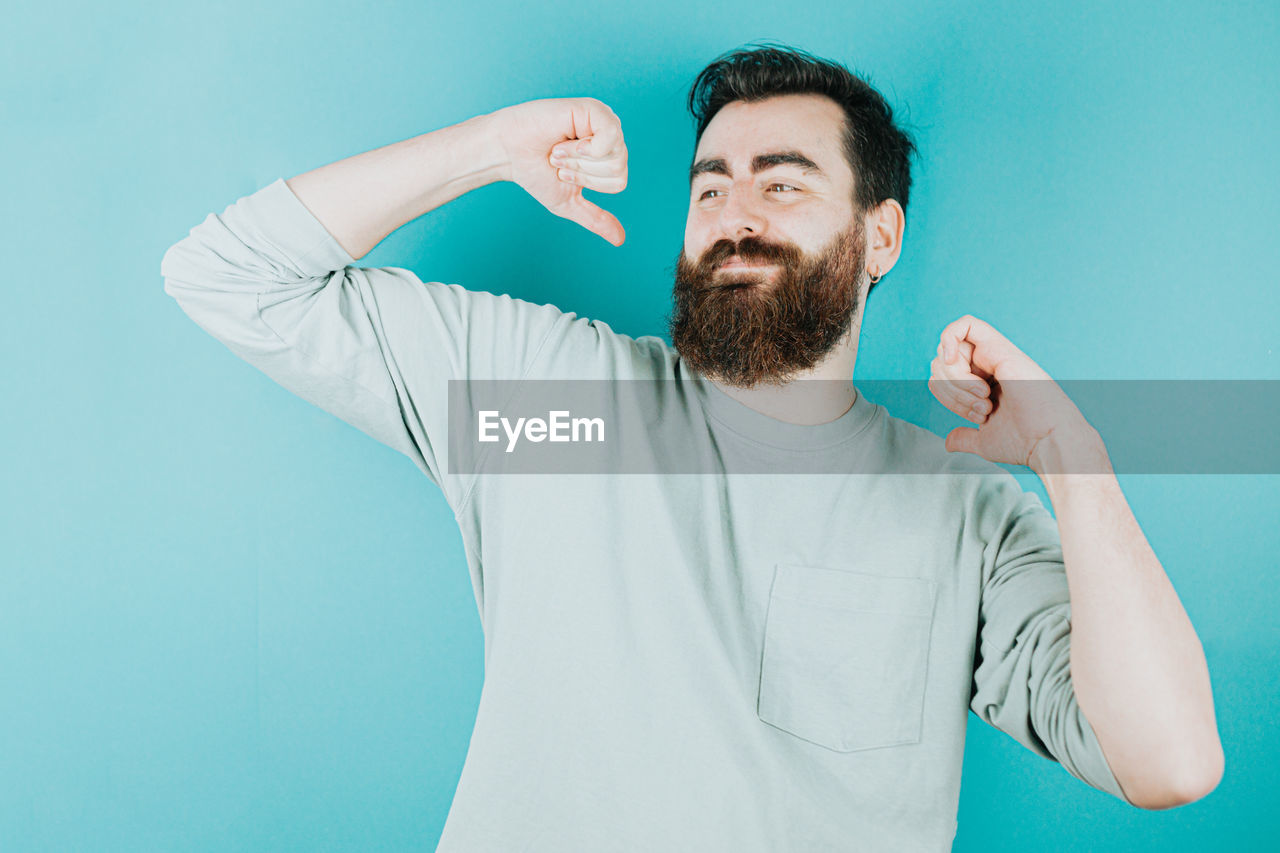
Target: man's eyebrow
x=759, y=163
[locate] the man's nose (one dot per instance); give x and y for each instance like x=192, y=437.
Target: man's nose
x=741, y=216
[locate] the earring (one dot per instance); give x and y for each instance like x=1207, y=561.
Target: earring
x=875, y=276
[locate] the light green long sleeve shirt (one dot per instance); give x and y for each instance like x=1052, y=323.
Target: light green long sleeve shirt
x=678, y=662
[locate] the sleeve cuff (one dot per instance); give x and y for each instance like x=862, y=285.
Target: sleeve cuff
x=294, y=229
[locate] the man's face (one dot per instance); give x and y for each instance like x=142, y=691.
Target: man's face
x=769, y=277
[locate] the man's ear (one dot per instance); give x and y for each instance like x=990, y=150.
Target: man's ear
x=884, y=225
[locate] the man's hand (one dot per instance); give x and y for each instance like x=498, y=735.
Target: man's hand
x=557, y=147
x=981, y=376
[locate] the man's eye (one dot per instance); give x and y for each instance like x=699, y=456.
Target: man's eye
x=771, y=186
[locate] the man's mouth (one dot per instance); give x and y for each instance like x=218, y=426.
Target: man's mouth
x=736, y=262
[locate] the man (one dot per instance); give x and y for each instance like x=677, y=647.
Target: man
x=723, y=662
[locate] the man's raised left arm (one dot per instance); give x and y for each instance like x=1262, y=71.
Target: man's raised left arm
x=1137, y=667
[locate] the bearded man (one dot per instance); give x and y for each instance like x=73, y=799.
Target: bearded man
x=722, y=662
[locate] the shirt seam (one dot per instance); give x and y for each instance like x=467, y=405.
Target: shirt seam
x=752, y=440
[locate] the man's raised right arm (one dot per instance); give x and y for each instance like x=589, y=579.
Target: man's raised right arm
x=273, y=277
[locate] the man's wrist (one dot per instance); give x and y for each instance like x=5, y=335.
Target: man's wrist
x=1077, y=449
x=488, y=132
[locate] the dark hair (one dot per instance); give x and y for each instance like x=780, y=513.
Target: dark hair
x=879, y=152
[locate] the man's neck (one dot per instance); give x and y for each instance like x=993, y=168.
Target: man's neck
x=815, y=396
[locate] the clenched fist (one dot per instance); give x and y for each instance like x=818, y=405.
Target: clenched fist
x=1020, y=411
x=557, y=147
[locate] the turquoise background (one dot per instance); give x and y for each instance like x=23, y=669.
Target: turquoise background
x=229, y=621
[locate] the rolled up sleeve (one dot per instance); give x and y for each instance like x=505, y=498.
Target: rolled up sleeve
x=375, y=347
x=1022, y=677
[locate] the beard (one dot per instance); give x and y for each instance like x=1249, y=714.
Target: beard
x=744, y=327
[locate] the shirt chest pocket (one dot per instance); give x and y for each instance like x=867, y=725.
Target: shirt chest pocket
x=846, y=657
